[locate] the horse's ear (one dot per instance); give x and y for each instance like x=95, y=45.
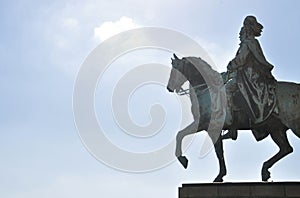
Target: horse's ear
x=172, y=59
x=175, y=56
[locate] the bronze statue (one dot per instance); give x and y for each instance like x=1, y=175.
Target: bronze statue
x=267, y=107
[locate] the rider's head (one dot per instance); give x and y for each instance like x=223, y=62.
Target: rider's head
x=252, y=27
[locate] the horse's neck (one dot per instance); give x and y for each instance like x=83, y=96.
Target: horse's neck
x=194, y=77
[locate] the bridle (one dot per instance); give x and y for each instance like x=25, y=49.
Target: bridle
x=183, y=92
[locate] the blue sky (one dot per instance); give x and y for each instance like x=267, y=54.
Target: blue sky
x=44, y=43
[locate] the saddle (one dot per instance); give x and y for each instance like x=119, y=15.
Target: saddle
x=239, y=117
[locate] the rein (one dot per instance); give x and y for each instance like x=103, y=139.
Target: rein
x=183, y=92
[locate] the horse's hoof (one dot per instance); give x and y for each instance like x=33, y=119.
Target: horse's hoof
x=218, y=179
x=265, y=175
x=183, y=160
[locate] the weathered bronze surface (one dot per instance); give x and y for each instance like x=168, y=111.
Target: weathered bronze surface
x=246, y=97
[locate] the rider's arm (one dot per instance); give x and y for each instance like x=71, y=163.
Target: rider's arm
x=240, y=58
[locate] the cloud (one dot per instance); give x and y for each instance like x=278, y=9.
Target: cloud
x=110, y=28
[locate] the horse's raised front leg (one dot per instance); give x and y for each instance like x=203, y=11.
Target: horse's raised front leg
x=190, y=129
x=280, y=138
x=216, y=137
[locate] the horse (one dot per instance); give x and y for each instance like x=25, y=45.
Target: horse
x=285, y=116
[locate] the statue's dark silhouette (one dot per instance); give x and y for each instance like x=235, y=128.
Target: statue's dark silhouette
x=246, y=97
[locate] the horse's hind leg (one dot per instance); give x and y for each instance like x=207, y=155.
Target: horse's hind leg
x=220, y=154
x=190, y=129
x=280, y=138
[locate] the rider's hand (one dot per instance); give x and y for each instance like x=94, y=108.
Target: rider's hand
x=230, y=66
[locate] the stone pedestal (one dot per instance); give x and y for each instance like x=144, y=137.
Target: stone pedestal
x=241, y=190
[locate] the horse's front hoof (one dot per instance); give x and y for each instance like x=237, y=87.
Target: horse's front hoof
x=265, y=175
x=183, y=160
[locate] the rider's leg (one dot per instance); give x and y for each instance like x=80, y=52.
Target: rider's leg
x=231, y=87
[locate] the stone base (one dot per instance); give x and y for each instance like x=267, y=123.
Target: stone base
x=241, y=190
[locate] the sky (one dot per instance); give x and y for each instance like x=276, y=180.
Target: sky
x=43, y=45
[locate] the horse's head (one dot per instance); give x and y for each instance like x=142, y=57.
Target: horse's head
x=177, y=78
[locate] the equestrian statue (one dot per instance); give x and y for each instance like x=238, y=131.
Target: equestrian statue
x=245, y=97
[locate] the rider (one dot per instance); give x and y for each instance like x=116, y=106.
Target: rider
x=250, y=73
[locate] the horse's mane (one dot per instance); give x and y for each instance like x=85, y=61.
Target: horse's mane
x=202, y=68
x=200, y=64
x=197, y=60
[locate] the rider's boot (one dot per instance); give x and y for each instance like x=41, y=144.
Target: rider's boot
x=232, y=134
x=231, y=87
